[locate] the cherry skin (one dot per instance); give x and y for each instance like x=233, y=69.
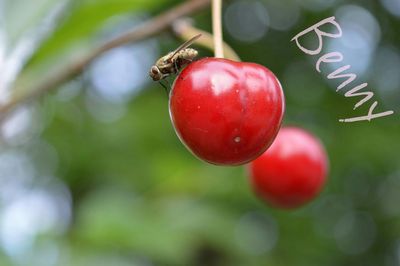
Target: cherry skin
x=292, y=171
x=226, y=112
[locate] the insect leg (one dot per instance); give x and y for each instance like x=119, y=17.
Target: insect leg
x=165, y=87
x=176, y=66
x=169, y=85
x=182, y=63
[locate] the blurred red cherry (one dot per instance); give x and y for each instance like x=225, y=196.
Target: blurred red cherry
x=292, y=171
x=226, y=112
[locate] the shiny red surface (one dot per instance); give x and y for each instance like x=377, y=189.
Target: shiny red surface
x=292, y=171
x=226, y=112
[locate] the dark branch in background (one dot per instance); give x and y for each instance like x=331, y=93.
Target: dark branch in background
x=143, y=31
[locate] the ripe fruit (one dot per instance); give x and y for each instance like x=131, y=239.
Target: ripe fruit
x=292, y=171
x=226, y=112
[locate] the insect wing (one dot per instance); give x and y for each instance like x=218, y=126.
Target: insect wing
x=185, y=45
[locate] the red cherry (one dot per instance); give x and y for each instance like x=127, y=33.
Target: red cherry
x=292, y=171
x=226, y=112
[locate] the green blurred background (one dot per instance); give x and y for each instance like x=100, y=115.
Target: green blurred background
x=93, y=174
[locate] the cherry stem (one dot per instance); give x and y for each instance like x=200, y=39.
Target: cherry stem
x=217, y=28
x=184, y=29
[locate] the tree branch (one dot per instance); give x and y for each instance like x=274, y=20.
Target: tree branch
x=144, y=31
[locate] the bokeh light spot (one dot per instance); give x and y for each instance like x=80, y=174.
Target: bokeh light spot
x=247, y=21
x=256, y=233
